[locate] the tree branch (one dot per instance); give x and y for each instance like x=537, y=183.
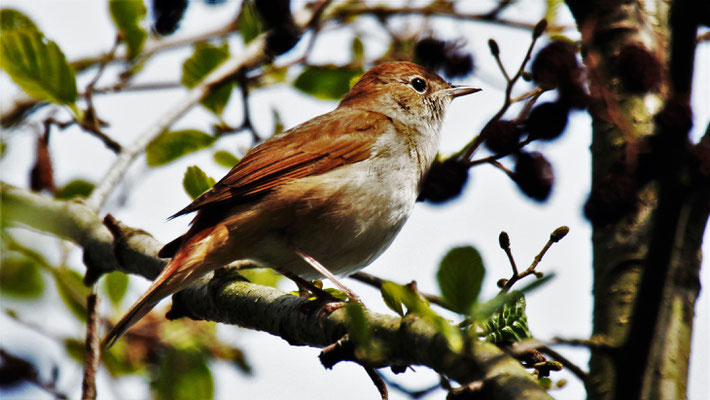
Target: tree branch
x=229, y=299
x=73, y=220
x=355, y=9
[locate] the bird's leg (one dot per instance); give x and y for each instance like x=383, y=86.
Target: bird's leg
x=305, y=286
x=324, y=271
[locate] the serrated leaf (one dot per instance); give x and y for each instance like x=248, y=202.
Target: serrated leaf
x=75, y=188
x=196, y=182
x=13, y=19
x=170, y=146
x=182, y=375
x=510, y=324
x=225, y=159
x=20, y=276
x=262, y=276
x=72, y=290
x=328, y=82
x=205, y=58
x=356, y=321
x=115, y=285
x=248, y=22
x=127, y=16
x=392, y=294
x=38, y=66
x=460, y=276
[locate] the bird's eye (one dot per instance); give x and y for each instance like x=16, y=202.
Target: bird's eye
x=418, y=84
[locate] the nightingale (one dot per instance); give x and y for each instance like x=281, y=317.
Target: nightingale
x=324, y=198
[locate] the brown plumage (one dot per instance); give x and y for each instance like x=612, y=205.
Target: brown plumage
x=336, y=188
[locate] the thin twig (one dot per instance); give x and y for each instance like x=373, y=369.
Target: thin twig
x=30, y=373
x=503, y=168
x=92, y=348
x=487, y=160
x=535, y=92
x=433, y=10
x=522, y=347
x=376, y=282
x=415, y=394
x=572, y=367
x=467, y=152
x=555, y=237
x=378, y=381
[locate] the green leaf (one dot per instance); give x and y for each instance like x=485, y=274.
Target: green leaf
x=261, y=276
x=196, y=182
x=358, y=51
x=460, y=276
x=182, y=375
x=20, y=276
x=75, y=349
x=537, y=283
x=356, y=322
x=510, y=324
x=225, y=159
x=393, y=294
x=418, y=305
x=3, y=147
x=127, y=16
x=118, y=360
x=12, y=19
x=278, y=123
x=551, y=11
x=204, y=60
x=72, y=290
x=116, y=284
x=169, y=146
x=328, y=82
x=38, y=66
x=249, y=23
x=75, y=188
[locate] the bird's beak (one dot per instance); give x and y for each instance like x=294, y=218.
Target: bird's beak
x=456, y=91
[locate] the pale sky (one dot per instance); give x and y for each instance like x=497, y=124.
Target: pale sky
x=491, y=202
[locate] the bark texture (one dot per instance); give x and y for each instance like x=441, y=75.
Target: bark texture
x=646, y=264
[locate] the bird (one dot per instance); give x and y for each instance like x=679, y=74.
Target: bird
x=324, y=198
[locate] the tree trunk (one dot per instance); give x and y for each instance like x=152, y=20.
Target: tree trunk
x=622, y=249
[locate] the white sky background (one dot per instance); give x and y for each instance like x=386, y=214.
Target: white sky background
x=490, y=204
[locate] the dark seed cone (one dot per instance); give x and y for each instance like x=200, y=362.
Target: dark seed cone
x=444, y=181
x=42, y=174
x=502, y=137
x=167, y=15
x=435, y=54
x=534, y=175
x=555, y=65
x=547, y=121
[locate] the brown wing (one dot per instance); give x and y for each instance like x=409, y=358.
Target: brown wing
x=341, y=137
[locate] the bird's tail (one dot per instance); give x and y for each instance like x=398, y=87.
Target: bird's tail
x=179, y=273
